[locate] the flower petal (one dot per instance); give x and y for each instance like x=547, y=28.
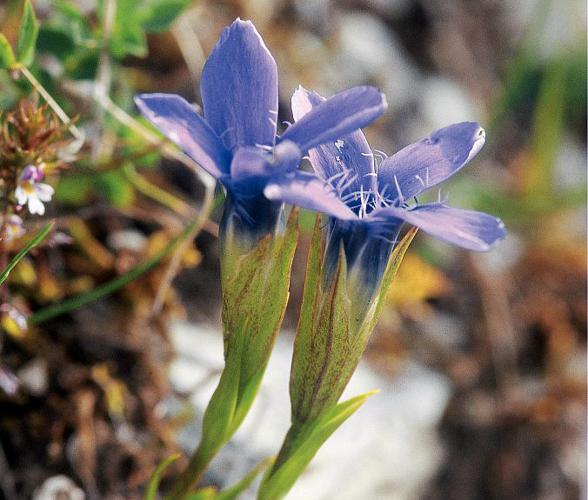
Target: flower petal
x=180, y=123
x=430, y=161
x=44, y=191
x=464, y=228
x=308, y=191
x=250, y=170
x=239, y=88
x=21, y=195
x=336, y=117
x=35, y=205
x=330, y=160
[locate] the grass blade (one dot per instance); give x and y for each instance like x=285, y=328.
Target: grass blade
x=40, y=236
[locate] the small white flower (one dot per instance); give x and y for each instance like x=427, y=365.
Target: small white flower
x=13, y=228
x=31, y=192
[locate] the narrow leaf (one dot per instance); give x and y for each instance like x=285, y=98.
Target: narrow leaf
x=7, y=58
x=208, y=493
x=234, y=491
x=27, y=37
x=153, y=486
x=304, y=445
x=160, y=14
x=392, y=268
x=40, y=236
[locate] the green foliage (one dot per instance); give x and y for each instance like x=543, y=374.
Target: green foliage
x=250, y=326
x=333, y=330
x=153, y=486
x=331, y=337
x=74, y=190
x=302, y=444
x=56, y=40
x=234, y=491
x=547, y=129
x=40, y=236
x=134, y=19
x=116, y=188
x=158, y=15
x=27, y=37
x=7, y=57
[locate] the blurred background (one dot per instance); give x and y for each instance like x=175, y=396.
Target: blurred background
x=481, y=358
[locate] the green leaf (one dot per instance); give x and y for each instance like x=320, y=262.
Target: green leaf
x=7, y=58
x=548, y=122
x=116, y=188
x=74, y=190
x=250, y=326
x=55, y=40
x=153, y=486
x=208, y=493
x=158, y=15
x=234, y=491
x=391, y=269
x=40, y=236
x=301, y=446
x=27, y=37
x=128, y=37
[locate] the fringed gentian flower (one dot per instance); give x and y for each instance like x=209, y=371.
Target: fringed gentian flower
x=236, y=139
x=31, y=191
x=236, y=142
x=353, y=260
x=369, y=205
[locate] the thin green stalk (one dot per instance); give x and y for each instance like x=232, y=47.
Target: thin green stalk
x=40, y=236
x=154, y=192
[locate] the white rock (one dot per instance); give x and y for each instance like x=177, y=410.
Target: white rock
x=59, y=487
x=34, y=377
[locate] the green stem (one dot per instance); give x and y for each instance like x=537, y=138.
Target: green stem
x=155, y=192
x=40, y=236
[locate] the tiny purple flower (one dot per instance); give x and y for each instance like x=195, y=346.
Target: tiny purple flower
x=236, y=141
x=31, y=191
x=13, y=228
x=368, y=205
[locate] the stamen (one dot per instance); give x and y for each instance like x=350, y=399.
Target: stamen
x=400, y=195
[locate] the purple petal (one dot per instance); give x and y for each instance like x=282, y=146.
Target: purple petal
x=430, y=161
x=336, y=117
x=248, y=163
x=351, y=152
x=239, y=88
x=464, y=228
x=307, y=191
x=180, y=123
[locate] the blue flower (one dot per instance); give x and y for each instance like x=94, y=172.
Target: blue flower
x=236, y=139
x=368, y=204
